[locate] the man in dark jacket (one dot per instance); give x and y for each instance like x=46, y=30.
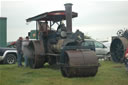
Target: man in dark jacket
x=19, y=51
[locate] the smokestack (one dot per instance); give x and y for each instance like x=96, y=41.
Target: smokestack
x=68, y=9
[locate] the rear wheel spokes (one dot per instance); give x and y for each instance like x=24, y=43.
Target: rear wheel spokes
x=119, y=51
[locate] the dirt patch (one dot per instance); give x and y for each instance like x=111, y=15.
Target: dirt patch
x=117, y=66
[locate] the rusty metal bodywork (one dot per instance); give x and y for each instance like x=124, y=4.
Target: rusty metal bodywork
x=118, y=46
x=61, y=46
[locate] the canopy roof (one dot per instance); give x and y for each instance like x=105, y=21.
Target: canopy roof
x=51, y=16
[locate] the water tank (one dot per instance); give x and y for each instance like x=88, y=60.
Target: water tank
x=3, y=31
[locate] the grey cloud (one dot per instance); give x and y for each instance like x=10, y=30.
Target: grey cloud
x=114, y=14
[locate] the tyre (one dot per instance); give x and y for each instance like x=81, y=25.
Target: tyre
x=10, y=59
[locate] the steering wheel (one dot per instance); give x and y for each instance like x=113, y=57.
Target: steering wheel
x=120, y=33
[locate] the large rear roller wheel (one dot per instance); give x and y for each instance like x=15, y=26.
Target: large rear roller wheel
x=37, y=57
x=37, y=62
x=118, y=48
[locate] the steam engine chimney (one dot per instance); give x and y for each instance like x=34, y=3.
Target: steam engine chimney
x=68, y=10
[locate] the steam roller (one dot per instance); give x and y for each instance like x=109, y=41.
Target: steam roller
x=61, y=47
x=119, y=45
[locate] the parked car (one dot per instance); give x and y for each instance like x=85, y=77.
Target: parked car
x=101, y=50
x=8, y=55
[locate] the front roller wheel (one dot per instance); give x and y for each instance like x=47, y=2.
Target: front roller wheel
x=65, y=72
x=78, y=72
x=79, y=63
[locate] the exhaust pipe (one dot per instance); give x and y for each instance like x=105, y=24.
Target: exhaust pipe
x=68, y=9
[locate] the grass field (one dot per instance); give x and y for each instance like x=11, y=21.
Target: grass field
x=109, y=73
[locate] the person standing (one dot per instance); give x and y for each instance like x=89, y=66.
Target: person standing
x=126, y=59
x=25, y=51
x=19, y=51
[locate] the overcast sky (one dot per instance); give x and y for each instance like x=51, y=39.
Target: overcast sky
x=98, y=19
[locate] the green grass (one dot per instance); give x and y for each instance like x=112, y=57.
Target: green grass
x=109, y=73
